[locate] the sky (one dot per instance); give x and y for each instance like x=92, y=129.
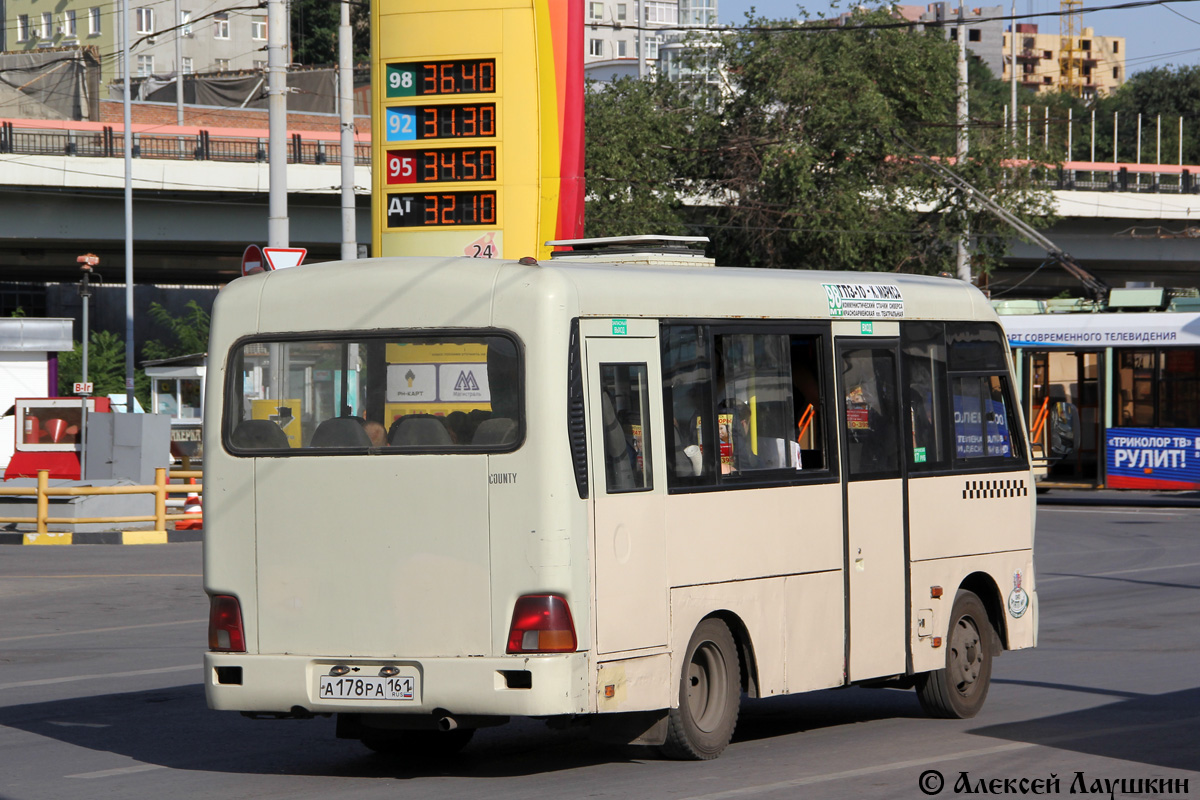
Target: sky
x=1155, y=36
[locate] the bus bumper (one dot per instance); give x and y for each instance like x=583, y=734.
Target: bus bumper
x=542, y=685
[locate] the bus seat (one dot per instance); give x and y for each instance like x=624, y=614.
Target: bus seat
x=499, y=430
x=259, y=434
x=340, y=432
x=419, y=430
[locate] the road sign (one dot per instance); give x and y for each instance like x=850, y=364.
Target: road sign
x=252, y=260
x=84, y=388
x=284, y=257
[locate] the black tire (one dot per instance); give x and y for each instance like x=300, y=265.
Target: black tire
x=418, y=744
x=959, y=689
x=710, y=693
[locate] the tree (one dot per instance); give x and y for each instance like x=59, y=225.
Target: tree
x=813, y=158
x=189, y=331
x=820, y=155
x=637, y=161
x=314, y=26
x=106, y=368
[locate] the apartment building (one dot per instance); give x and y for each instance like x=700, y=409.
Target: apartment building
x=212, y=37
x=611, y=34
x=1094, y=66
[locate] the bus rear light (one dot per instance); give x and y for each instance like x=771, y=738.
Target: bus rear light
x=225, y=632
x=541, y=623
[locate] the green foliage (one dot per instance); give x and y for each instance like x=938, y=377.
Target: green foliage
x=19, y=311
x=315, y=31
x=189, y=331
x=637, y=158
x=813, y=158
x=106, y=368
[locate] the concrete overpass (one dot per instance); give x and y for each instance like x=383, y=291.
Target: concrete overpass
x=61, y=194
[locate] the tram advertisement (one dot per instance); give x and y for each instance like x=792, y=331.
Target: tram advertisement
x=1153, y=458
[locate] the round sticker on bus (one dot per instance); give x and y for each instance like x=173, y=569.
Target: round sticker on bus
x=1018, y=598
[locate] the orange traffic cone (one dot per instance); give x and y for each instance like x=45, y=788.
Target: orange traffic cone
x=191, y=506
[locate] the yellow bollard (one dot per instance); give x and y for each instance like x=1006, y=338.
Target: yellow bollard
x=43, y=502
x=160, y=499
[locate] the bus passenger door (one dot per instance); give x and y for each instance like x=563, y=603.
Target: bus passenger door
x=877, y=605
x=625, y=444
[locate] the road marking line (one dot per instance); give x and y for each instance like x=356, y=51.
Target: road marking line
x=854, y=773
x=73, y=678
x=1052, y=578
x=108, y=773
x=101, y=630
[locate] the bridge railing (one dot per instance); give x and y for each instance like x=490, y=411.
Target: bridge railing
x=1116, y=177
x=109, y=142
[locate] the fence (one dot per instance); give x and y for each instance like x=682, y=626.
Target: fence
x=202, y=146
x=161, y=488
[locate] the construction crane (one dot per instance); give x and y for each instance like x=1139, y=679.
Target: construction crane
x=1070, y=54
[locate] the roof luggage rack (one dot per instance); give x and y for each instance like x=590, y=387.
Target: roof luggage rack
x=649, y=250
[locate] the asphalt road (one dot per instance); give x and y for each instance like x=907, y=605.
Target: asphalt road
x=100, y=697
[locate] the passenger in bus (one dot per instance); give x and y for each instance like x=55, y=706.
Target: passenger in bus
x=687, y=425
x=375, y=432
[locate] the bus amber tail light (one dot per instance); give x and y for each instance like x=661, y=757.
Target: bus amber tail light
x=541, y=623
x=225, y=633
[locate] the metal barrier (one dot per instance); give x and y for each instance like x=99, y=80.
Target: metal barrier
x=161, y=488
x=202, y=146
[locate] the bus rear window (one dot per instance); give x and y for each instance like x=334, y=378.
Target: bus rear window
x=377, y=394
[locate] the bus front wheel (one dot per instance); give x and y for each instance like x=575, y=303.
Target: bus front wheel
x=709, y=695
x=958, y=690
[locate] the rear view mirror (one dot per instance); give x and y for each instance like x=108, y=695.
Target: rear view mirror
x=1064, y=430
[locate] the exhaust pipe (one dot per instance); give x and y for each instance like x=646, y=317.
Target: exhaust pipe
x=447, y=723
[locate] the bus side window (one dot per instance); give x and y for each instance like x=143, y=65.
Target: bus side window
x=625, y=404
x=809, y=415
x=923, y=361
x=687, y=402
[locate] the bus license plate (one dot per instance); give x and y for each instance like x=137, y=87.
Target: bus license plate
x=348, y=687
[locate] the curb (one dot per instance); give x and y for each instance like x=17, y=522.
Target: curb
x=1114, y=499
x=102, y=537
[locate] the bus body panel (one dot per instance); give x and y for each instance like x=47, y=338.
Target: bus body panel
x=1002, y=498
x=1016, y=632
x=703, y=529
x=357, y=570
x=641, y=683
x=277, y=683
x=875, y=571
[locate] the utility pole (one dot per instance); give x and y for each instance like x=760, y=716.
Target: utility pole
x=86, y=263
x=1013, y=74
x=128, y=120
x=277, y=199
x=178, y=66
x=641, y=21
x=346, y=114
x=963, y=259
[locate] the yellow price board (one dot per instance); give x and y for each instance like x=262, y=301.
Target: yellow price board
x=478, y=126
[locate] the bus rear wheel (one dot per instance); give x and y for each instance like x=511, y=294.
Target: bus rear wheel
x=959, y=689
x=709, y=695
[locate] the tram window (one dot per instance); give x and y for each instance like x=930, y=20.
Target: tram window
x=1179, y=396
x=1134, y=388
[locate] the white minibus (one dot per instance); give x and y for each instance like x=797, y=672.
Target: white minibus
x=441, y=493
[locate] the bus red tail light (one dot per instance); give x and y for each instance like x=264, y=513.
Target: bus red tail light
x=225, y=633
x=541, y=623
